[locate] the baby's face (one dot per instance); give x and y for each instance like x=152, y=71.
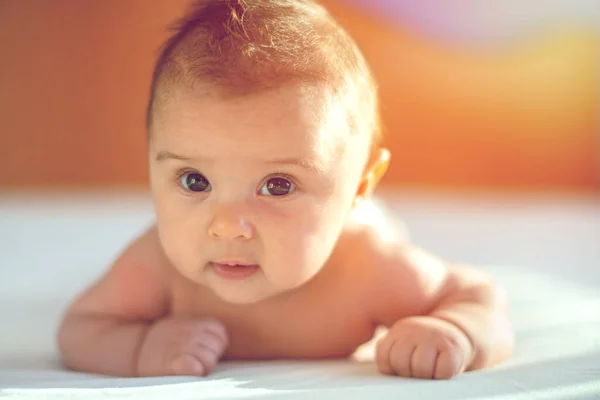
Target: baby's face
x=251, y=193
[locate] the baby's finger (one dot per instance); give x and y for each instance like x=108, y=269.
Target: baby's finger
x=423, y=361
x=209, y=340
x=186, y=365
x=212, y=339
x=194, y=360
x=215, y=328
x=400, y=358
x=207, y=354
x=448, y=365
x=382, y=355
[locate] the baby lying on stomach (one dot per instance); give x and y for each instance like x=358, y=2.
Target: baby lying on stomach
x=264, y=147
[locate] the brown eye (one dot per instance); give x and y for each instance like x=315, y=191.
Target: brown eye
x=195, y=182
x=277, y=187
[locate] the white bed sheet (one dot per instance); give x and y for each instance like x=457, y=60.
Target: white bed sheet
x=545, y=251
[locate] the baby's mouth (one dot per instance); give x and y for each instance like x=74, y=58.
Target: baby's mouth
x=233, y=269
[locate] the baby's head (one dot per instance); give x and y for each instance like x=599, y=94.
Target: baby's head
x=263, y=135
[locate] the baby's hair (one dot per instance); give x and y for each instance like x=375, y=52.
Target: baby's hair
x=238, y=47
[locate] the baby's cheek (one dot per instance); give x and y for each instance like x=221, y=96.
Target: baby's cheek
x=177, y=247
x=301, y=257
x=170, y=246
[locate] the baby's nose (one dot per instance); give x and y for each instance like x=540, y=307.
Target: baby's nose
x=230, y=225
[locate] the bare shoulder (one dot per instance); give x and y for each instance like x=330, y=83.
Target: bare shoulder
x=400, y=279
x=135, y=286
x=364, y=243
x=369, y=232
x=375, y=218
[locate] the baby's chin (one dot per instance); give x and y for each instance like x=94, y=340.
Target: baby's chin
x=252, y=290
x=243, y=295
x=240, y=298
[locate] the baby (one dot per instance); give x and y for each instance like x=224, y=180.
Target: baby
x=264, y=150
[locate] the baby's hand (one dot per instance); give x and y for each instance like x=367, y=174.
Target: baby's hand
x=424, y=347
x=181, y=346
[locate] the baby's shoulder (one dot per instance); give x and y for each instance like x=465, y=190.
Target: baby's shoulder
x=365, y=257
x=367, y=236
x=373, y=223
x=385, y=266
x=145, y=255
x=134, y=286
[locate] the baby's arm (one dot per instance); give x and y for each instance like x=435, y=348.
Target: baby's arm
x=120, y=326
x=443, y=319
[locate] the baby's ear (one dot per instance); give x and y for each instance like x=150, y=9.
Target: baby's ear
x=376, y=168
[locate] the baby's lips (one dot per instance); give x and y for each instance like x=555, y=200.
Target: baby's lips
x=233, y=261
x=234, y=272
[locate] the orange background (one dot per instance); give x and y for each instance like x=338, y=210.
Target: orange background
x=74, y=81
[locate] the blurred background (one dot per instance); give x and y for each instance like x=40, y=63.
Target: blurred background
x=499, y=95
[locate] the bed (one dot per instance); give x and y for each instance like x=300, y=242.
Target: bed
x=545, y=250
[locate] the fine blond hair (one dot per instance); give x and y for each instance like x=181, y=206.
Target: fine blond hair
x=239, y=47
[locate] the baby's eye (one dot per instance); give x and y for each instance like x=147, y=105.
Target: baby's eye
x=195, y=182
x=277, y=187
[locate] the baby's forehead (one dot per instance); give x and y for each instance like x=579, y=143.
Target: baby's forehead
x=316, y=112
x=309, y=106
x=312, y=103
x=304, y=120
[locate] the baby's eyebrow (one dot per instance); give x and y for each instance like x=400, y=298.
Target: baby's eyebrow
x=167, y=155
x=300, y=162
x=306, y=164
